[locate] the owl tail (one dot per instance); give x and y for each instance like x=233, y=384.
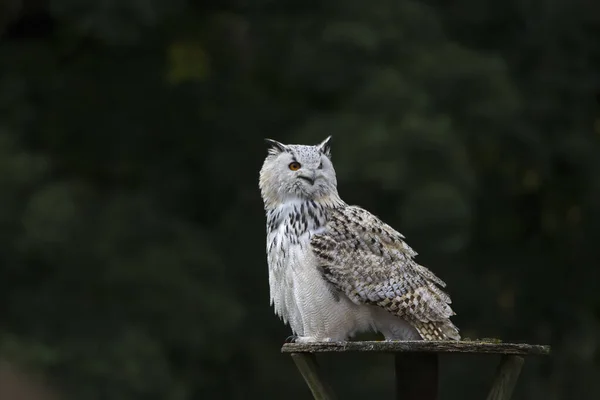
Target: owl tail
x=436, y=330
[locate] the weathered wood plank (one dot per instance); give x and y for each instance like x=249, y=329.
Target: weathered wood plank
x=416, y=376
x=419, y=346
x=308, y=367
x=506, y=378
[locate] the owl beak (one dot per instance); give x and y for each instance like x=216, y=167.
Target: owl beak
x=309, y=178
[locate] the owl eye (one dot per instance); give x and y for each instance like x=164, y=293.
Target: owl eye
x=295, y=166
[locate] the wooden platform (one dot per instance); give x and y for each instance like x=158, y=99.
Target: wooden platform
x=417, y=364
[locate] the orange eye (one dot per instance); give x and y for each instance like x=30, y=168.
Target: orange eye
x=295, y=166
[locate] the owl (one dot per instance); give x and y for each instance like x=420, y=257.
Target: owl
x=336, y=270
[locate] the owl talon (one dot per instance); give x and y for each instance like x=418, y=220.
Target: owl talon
x=291, y=339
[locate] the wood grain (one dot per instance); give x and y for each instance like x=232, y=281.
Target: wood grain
x=506, y=378
x=308, y=367
x=419, y=346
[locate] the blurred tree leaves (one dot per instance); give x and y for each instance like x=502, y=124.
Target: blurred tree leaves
x=112, y=21
x=187, y=61
x=102, y=274
x=132, y=255
x=441, y=209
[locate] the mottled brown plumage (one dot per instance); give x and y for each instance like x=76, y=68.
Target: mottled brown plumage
x=372, y=264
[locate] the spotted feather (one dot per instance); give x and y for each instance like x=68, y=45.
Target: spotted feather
x=371, y=263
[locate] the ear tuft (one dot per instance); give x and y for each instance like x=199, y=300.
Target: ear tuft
x=275, y=147
x=325, y=147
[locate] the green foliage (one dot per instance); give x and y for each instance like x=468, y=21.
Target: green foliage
x=132, y=257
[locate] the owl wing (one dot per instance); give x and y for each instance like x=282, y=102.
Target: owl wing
x=370, y=262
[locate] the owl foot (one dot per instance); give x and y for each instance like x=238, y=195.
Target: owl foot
x=291, y=339
x=312, y=339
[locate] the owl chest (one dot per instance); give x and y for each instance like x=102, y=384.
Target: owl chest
x=302, y=297
x=293, y=270
x=289, y=253
x=299, y=292
x=290, y=228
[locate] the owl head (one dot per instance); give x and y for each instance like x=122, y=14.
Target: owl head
x=297, y=172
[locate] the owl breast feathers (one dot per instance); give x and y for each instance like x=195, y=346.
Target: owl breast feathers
x=369, y=261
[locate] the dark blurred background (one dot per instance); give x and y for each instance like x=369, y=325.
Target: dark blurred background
x=132, y=234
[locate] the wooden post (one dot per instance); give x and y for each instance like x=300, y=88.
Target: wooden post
x=506, y=378
x=416, y=363
x=308, y=367
x=416, y=376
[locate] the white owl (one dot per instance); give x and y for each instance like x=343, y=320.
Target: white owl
x=336, y=270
